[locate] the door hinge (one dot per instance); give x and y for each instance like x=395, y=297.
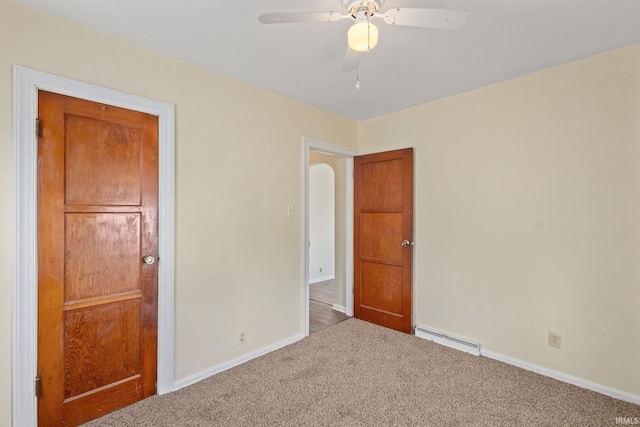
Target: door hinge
x=37, y=386
x=38, y=128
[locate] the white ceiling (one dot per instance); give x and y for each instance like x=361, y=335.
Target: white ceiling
x=410, y=66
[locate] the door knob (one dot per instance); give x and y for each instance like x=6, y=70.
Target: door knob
x=148, y=259
x=406, y=243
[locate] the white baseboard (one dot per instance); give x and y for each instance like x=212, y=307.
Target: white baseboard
x=608, y=391
x=322, y=279
x=340, y=308
x=234, y=362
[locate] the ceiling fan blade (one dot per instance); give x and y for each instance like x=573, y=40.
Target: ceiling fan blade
x=287, y=17
x=429, y=18
x=351, y=60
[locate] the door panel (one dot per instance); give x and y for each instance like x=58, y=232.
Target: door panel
x=382, y=289
x=111, y=328
x=105, y=169
x=111, y=238
x=382, y=232
x=383, y=211
x=383, y=179
x=97, y=218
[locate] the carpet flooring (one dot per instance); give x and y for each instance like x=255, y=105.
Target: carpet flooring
x=359, y=374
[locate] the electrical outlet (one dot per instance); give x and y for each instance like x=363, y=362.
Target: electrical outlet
x=555, y=340
x=320, y=269
x=242, y=339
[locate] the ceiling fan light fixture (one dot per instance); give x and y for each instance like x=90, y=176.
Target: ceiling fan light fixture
x=362, y=36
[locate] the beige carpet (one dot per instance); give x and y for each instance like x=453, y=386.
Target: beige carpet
x=358, y=374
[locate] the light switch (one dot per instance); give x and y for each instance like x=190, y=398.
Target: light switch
x=290, y=210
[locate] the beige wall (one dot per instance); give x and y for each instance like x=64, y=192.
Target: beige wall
x=527, y=215
x=339, y=165
x=238, y=166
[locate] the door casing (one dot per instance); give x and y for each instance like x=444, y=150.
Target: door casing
x=26, y=83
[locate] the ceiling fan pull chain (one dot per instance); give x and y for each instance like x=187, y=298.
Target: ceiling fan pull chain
x=358, y=73
x=368, y=33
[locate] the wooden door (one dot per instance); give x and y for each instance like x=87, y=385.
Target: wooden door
x=97, y=219
x=383, y=216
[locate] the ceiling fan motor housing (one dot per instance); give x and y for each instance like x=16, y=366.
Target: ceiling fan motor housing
x=371, y=6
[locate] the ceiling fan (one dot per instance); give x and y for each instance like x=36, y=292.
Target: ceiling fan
x=363, y=34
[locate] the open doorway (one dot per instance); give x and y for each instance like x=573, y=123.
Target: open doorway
x=326, y=293
x=340, y=159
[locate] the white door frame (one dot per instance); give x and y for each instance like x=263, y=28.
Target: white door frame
x=348, y=153
x=26, y=83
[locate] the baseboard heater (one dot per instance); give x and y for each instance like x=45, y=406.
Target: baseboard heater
x=448, y=340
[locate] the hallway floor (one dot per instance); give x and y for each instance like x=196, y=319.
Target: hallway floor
x=321, y=313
